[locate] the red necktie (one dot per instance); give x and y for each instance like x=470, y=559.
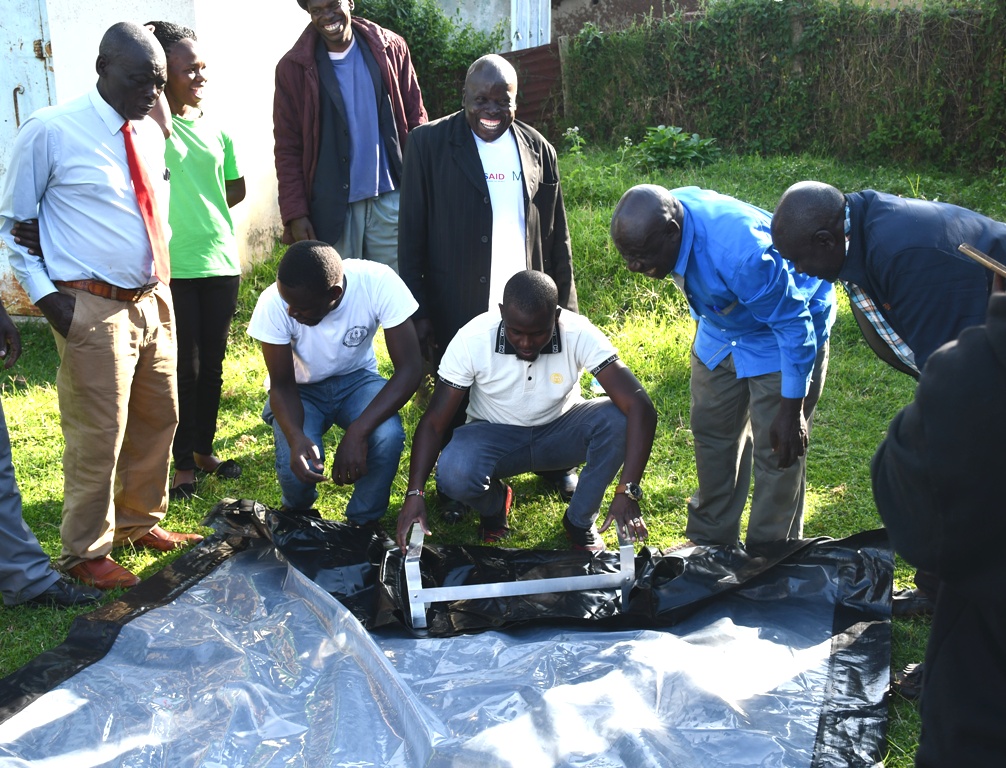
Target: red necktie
x=148, y=208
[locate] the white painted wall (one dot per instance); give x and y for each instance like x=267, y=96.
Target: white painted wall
x=484, y=15
x=245, y=40
x=242, y=43
x=76, y=27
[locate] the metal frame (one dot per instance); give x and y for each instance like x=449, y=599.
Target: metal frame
x=419, y=598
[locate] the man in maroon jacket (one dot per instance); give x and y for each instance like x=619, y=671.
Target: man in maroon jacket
x=346, y=98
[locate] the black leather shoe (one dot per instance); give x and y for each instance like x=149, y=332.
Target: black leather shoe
x=583, y=539
x=908, y=682
x=65, y=594
x=451, y=510
x=911, y=602
x=563, y=480
x=497, y=527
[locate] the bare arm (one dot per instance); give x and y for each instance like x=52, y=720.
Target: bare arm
x=350, y=462
x=788, y=433
x=26, y=234
x=425, y=449
x=284, y=399
x=56, y=307
x=58, y=310
x=10, y=339
x=628, y=394
x=235, y=190
x=161, y=114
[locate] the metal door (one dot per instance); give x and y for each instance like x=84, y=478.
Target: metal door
x=530, y=23
x=25, y=86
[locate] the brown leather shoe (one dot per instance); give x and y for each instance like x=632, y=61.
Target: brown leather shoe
x=103, y=573
x=165, y=541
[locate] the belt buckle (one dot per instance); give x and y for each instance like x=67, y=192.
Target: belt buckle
x=145, y=290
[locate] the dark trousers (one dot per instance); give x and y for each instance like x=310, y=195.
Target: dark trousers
x=962, y=704
x=204, y=307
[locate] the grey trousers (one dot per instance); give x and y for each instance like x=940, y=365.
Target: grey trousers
x=24, y=568
x=730, y=420
x=371, y=230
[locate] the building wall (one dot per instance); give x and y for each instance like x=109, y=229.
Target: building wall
x=240, y=68
x=484, y=15
x=245, y=47
x=75, y=29
x=241, y=61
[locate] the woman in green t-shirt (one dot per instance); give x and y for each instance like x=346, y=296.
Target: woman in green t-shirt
x=205, y=266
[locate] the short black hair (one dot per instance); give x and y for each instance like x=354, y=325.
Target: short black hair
x=805, y=208
x=310, y=264
x=302, y=4
x=168, y=34
x=127, y=38
x=530, y=292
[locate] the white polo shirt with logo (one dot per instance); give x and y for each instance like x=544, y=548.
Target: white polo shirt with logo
x=507, y=390
x=343, y=341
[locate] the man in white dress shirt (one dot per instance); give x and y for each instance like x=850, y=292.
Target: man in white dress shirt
x=110, y=312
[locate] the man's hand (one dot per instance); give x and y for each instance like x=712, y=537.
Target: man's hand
x=350, y=462
x=58, y=310
x=624, y=513
x=302, y=229
x=413, y=511
x=305, y=461
x=427, y=339
x=9, y=338
x=788, y=433
x=26, y=234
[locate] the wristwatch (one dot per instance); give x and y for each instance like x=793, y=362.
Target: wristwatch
x=631, y=490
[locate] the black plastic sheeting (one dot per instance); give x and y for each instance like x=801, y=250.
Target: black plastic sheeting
x=803, y=598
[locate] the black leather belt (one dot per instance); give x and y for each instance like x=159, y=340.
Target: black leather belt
x=107, y=290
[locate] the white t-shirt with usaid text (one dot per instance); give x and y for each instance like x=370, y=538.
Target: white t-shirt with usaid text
x=504, y=177
x=507, y=390
x=343, y=341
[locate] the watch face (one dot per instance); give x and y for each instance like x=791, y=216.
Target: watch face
x=633, y=491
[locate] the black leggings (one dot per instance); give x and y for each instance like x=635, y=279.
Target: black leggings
x=204, y=307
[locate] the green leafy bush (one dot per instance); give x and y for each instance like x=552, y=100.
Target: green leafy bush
x=921, y=82
x=442, y=46
x=667, y=146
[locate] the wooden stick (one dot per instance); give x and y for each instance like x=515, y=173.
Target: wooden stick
x=983, y=259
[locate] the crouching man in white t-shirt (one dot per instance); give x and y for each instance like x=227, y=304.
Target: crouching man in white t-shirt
x=317, y=324
x=522, y=365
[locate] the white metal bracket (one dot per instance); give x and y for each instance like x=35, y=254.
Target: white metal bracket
x=419, y=598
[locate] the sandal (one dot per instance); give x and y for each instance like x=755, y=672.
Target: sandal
x=228, y=469
x=182, y=492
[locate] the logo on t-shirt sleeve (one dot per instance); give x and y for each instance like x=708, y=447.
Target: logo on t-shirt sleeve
x=355, y=336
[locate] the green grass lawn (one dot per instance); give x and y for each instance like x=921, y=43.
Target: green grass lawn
x=650, y=324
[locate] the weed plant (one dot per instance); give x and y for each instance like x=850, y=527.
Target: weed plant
x=651, y=326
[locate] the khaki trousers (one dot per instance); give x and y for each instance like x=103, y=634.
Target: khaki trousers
x=730, y=421
x=118, y=407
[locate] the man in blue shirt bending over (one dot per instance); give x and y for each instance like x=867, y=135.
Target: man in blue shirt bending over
x=759, y=358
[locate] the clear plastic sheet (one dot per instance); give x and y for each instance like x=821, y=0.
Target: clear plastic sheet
x=253, y=664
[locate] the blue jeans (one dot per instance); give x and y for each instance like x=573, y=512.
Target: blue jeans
x=480, y=454
x=340, y=400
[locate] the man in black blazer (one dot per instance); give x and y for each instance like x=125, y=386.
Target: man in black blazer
x=461, y=223
x=938, y=487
